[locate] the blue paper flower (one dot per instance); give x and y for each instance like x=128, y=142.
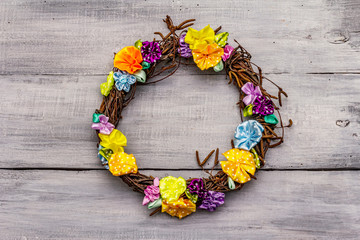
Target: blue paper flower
x=248, y=134
x=124, y=80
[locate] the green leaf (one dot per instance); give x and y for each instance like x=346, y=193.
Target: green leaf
x=221, y=39
x=231, y=183
x=248, y=110
x=271, y=119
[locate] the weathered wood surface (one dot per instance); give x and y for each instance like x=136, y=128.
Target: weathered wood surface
x=77, y=37
x=167, y=122
x=96, y=205
x=53, y=56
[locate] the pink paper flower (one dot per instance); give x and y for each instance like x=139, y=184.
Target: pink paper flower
x=251, y=91
x=227, y=52
x=103, y=125
x=152, y=192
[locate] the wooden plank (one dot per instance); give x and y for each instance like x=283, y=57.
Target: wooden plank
x=45, y=121
x=95, y=205
x=76, y=37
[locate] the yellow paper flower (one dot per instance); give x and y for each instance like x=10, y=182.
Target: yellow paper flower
x=171, y=188
x=240, y=163
x=179, y=208
x=208, y=57
x=122, y=163
x=199, y=39
x=115, y=141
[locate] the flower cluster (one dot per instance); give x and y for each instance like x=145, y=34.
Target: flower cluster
x=208, y=50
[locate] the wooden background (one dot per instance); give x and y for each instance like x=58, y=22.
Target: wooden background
x=55, y=53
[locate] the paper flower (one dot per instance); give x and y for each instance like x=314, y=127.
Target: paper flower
x=103, y=125
x=212, y=201
x=150, y=51
x=263, y=106
x=199, y=39
x=208, y=57
x=227, y=52
x=251, y=91
x=151, y=192
x=171, y=188
x=196, y=186
x=179, y=208
x=248, y=134
x=122, y=163
x=240, y=163
x=106, y=87
x=128, y=59
x=115, y=141
x=124, y=80
x=184, y=49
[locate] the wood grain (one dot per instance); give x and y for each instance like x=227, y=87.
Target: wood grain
x=77, y=37
x=167, y=122
x=96, y=205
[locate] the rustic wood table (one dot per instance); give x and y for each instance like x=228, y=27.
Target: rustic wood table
x=55, y=53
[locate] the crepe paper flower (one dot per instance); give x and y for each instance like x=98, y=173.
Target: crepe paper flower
x=199, y=39
x=128, y=59
x=208, y=57
x=272, y=119
x=248, y=110
x=184, y=49
x=227, y=52
x=151, y=192
x=171, y=187
x=221, y=39
x=212, y=201
x=263, y=106
x=251, y=91
x=240, y=163
x=138, y=44
x=122, y=164
x=115, y=141
x=178, y=208
x=196, y=186
x=124, y=80
x=151, y=51
x=103, y=125
x=219, y=67
x=106, y=87
x=248, y=134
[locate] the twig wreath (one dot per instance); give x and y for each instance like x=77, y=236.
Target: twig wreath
x=136, y=65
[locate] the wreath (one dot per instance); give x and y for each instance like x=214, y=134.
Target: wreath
x=159, y=59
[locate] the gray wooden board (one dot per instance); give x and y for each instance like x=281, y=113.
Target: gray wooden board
x=96, y=205
x=46, y=121
x=77, y=37
x=53, y=56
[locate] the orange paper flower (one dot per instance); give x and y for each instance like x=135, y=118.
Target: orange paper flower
x=122, y=163
x=128, y=59
x=179, y=208
x=208, y=57
x=240, y=163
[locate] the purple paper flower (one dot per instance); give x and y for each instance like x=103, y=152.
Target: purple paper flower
x=212, y=201
x=103, y=125
x=184, y=49
x=150, y=51
x=251, y=91
x=196, y=186
x=263, y=106
x=152, y=192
